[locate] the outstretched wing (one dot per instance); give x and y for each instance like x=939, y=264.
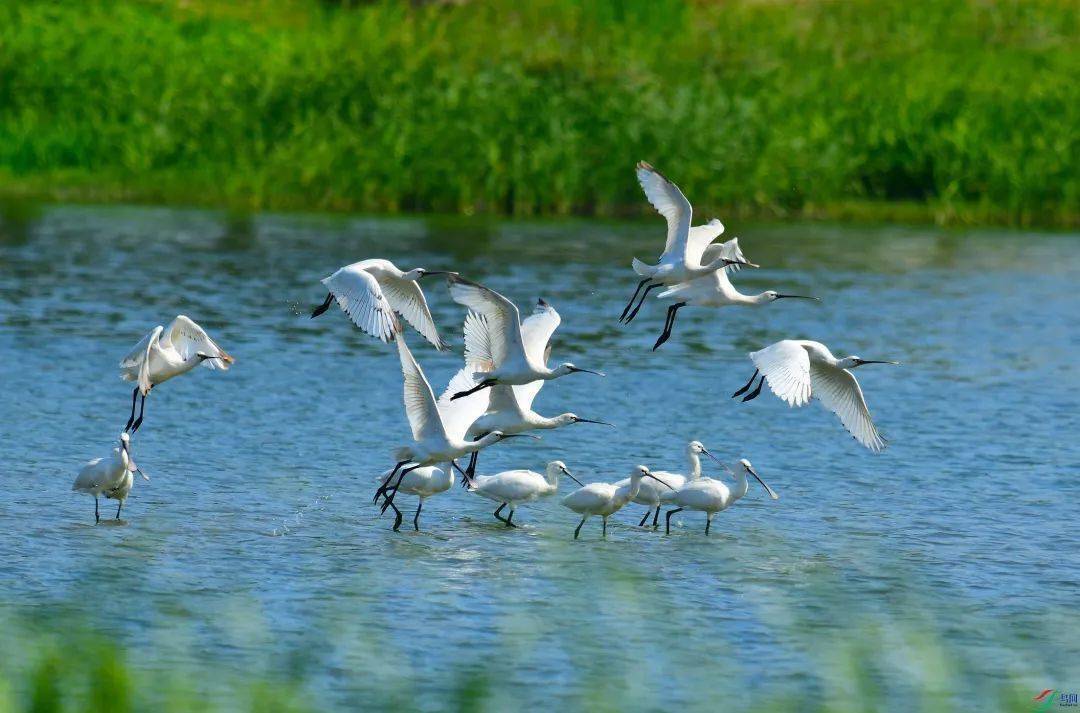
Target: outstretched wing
x=420, y=406
x=361, y=298
x=700, y=237
x=669, y=202
x=138, y=360
x=536, y=332
x=839, y=391
x=459, y=414
x=189, y=339
x=407, y=299
x=729, y=250
x=479, y=352
x=786, y=367
x=502, y=317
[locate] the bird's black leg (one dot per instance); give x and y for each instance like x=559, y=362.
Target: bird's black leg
x=131, y=418
x=416, y=517
x=631, y=302
x=577, y=530
x=119, y=505
x=324, y=306
x=708, y=521
x=644, y=294
x=746, y=388
x=656, y=518
x=605, y=526
x=754, y=394
x=667, y=529
x=97, y=517
x=510, y=519
x=486, y=383
x=386, y=483
x=471, y=470
x=645, y=518
x=389, y=499
x=466, y=479
x=499, y=517
x=138, y=421
x=397, y=516
x=671, y=312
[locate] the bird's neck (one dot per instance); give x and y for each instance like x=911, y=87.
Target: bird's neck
x=695, y=465
x=741, y=485
x=539, y=421
x=762, y=299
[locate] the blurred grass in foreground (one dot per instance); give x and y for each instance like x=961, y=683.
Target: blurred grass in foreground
x=957, y=110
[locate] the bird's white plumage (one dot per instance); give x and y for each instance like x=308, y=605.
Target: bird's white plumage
x=786, y=367
x=165, y=353
x=420, y=406
x=458, y=414
x=700, y=237
x=797, y=369
x=424, y=481
x=595, y=499
x=839, y=391
x=669, y=202
x=361, y=297
x=501, y=315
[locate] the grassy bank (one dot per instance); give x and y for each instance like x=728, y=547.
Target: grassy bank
x=957, y=110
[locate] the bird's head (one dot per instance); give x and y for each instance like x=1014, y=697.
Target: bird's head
x=125, y=441
x=698, y=448
x=566, y=419
x=773, y=296
x=568, y=368
x=557, y=467
x=855, y=361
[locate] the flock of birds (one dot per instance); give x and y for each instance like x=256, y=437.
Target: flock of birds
x=506, y=360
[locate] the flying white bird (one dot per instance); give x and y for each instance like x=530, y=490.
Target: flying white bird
x=510, y=407
x=797, y=369
x=684, y=257
x=438, y=428
x=714, y=290
x=505, y=352
x=371, y=291
x=605, y=499
x=163, y=354
x=514, y=487
x=423, y=482
x=710, y=495
x=109, y=476
x=653, y=493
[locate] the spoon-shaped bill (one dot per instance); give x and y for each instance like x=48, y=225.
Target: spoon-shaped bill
x=566, y=471
x=659, y=480
x=770, y=491
x=590, y=420
x=798, y=297
x=588, y=371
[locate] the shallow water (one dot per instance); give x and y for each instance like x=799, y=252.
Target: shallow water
x=255, y=544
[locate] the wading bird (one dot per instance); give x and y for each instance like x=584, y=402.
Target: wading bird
x=504, y=352
x=110, y=476
x=510, y=407
x=653, y=493
x=684, y=250
x=438, y=428
x=163, y=354
x=371, y=291
x=714, y=290
x=605, y=499
x=710, y=495
x=422, y=482
x=797, y=369
x=515, y=487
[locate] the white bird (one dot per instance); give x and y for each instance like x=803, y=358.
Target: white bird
x=371, y=291
x=438, y=428
x=604, y=499
x=715, y=290
x=684, y=250
x=797, y=369
x=654, y=493
x=710, y=495
x=514, y=487
x=423, y=482
x=108, y=476
x=163, y=354
x=509, y=408
x=505, y=352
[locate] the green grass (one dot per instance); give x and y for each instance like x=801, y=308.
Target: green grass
x=955, y=110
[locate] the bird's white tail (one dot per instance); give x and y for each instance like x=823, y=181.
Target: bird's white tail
x=643, y=269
